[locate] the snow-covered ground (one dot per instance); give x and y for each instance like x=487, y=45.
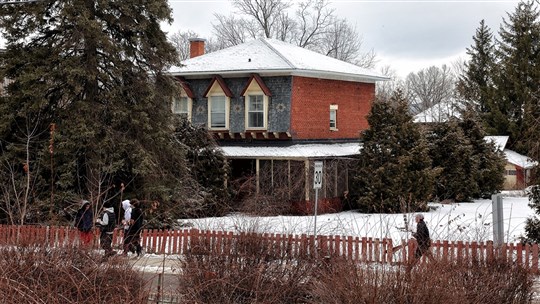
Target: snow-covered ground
x=459, y=221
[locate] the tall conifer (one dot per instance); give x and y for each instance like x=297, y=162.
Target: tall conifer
x=94, y=69
x=518, y=80
x=394, y=173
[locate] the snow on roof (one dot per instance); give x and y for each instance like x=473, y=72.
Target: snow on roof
x=301, y=151
x=270, y=57
x=439, y=112
x=519, y=159
x=499, y=141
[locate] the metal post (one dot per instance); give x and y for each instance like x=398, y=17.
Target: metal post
x=498, y=220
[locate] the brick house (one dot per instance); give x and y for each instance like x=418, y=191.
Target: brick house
x=274, y=109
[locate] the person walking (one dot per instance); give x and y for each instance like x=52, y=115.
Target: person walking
x=137, y=223
x=84, y=221
x=422, y=240
x=108, y=224
x=126, y=223
x=422, y=237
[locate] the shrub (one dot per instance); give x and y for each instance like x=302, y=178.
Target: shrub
x=66, y=275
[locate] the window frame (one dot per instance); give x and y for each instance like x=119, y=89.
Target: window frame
x=254, y=89
x=211, y=100
x=334, y=111
x=248, y=102
x=189, y=106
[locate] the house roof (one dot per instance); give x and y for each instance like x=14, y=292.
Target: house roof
x=512, y=157
x=439, y=112
x=519, y=159
x=298, y=151
x=499, y=141
x=270, y=57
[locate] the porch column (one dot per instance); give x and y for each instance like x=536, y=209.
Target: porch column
x=257, y=174
x=306, y=185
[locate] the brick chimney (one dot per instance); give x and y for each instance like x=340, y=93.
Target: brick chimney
x=196, y=47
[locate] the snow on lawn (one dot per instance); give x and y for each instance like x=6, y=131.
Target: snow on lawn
x=459, y=221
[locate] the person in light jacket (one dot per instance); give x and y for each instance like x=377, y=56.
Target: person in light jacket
x=126, y=222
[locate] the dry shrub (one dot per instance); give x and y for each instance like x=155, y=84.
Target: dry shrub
x=66, y=275
x=344, y=281
x=255, y=271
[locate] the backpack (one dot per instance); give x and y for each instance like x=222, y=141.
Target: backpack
x=112, y=222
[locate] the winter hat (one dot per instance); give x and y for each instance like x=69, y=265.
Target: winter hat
x=126, y=204
x=84, y=203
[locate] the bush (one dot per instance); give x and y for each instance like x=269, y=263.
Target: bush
x=258, y=271
x=68, y=275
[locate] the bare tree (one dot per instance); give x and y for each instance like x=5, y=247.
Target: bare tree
x=18, y=187
x=430, y=87
x=180, y=40
x=264, y=12
x=341, y=41
x=314, y=26
x=233, y=31
x=385, y=89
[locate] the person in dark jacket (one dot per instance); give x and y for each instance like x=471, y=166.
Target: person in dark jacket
x=84, y=221
x=137, y=223
x=107, y=224
x=422, y=236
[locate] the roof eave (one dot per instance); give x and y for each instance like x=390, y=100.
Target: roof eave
x=286, y=72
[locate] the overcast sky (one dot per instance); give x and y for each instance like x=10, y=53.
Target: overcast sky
x=406, y=35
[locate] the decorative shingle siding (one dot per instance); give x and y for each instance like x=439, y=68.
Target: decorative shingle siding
x=278, y=108
x=311, y=100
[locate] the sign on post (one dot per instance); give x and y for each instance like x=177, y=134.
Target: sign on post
x=317, y=178
x=317, y=184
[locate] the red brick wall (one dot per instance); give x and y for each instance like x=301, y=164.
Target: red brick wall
x=310, y=109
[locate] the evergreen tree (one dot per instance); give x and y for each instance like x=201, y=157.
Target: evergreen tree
x=519, y=78
x=489, y=160
x=394, y=173
x=208, y=166
x=476, y=85
x=94, y=69
x=452, y=153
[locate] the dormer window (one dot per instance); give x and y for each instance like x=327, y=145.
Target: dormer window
x=219, y=101
x=256, y=109
x=333, y=117
x=218, y=114
x=182, y=105
x=257, y=97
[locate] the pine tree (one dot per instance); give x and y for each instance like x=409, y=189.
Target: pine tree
x=452, y=152
x=94, y=69
x=476, y=84
x=489, y=160
x=394, y=173
x=518, y=81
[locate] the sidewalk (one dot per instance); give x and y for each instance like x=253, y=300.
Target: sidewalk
x=154, y=263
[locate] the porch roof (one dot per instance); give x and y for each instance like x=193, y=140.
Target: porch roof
x=297, y=151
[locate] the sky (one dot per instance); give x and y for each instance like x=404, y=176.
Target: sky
x=407, y=35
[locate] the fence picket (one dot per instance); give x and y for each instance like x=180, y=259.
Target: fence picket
x=281, y=245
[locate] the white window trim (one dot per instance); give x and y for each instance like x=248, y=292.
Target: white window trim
x=265, y=110
x=227, y=111
x=189, y=106
x=255, y=89
x=334, y=108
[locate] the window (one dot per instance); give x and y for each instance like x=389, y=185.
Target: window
x=511, y=172
x=255, y=109
x=218, y=112
x=256, y=100
x=333, y=117
x=182, y=106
